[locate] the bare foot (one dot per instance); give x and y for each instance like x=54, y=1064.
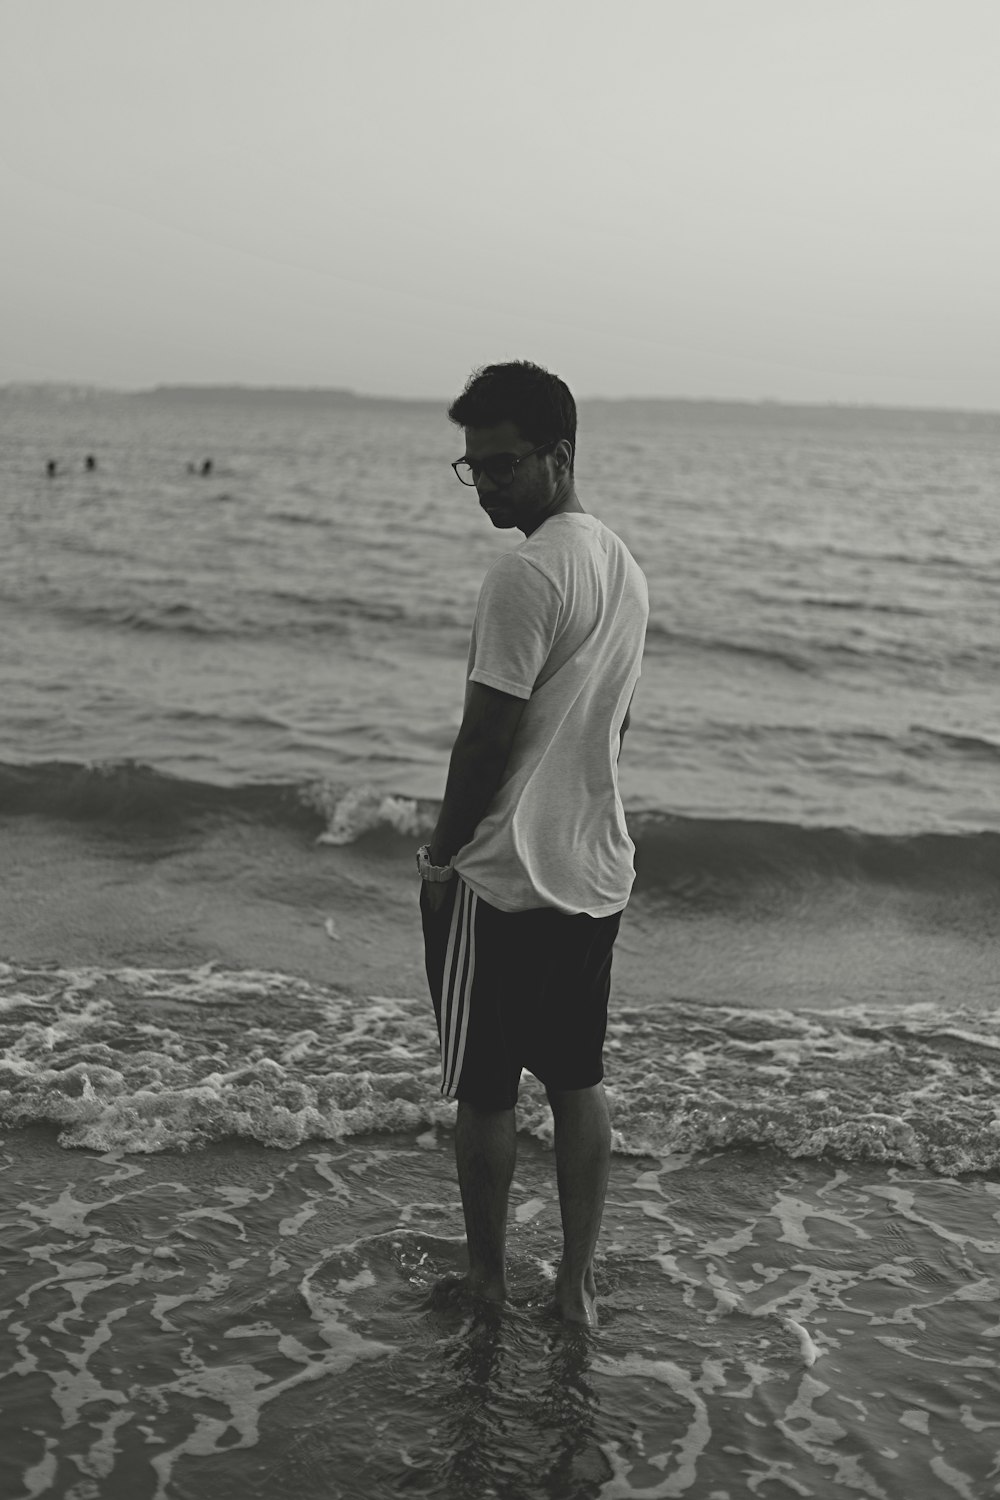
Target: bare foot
x=490, y=1288
x=454, y=1289
x=572, y=1310
x=576, y=1304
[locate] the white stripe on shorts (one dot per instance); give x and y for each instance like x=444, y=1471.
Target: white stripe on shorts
x=459, y=972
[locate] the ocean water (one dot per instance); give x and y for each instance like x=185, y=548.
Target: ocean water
x=227, y=1185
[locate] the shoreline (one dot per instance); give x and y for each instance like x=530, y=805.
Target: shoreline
x=242, y=897
x=252, y=895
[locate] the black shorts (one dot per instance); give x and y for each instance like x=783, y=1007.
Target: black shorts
x=514, y=990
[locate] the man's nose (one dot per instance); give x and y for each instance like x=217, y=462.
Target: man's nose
x=484, y=484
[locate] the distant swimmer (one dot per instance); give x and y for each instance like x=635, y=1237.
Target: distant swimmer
x=90, y=462
x=206, y=467
x=50, y=468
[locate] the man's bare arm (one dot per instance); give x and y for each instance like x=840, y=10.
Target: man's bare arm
x=478, y=760
x=625, y=724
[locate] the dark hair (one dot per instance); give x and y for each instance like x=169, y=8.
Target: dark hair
x=539, y=404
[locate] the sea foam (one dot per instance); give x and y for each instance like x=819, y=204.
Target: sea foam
x=152, y=1059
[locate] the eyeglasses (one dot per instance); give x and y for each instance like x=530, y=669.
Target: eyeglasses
x=499, y=470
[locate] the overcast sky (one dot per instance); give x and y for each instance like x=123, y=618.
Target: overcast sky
x=796, y=199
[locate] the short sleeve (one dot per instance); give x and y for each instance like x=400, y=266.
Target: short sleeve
x=516, y=622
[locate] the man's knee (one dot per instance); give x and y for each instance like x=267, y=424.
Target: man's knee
x=561, y=1100
x=480, y=1109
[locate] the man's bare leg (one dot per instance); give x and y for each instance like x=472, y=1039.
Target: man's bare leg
x=485, y=1153
x=583, y=1161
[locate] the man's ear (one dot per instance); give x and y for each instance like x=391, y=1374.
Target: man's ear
x=563, y=453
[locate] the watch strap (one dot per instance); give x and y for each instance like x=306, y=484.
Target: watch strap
x=427, y=871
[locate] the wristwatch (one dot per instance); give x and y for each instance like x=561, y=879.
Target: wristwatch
x=429, y=871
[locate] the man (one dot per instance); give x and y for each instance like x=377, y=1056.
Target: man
x=530, y=864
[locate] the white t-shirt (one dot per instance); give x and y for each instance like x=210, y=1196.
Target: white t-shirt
x=561, y=621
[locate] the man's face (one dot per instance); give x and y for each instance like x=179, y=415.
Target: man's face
x=523, y=501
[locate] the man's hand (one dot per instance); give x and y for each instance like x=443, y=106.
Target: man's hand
x=435, y=894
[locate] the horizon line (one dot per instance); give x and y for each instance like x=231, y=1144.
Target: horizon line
x=85, y=388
